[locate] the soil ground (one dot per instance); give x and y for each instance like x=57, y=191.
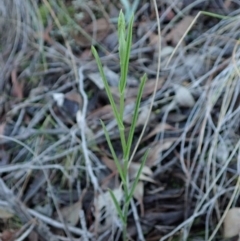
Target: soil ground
x=56, y=169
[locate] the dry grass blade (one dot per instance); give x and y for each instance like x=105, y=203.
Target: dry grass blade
x=22, y=213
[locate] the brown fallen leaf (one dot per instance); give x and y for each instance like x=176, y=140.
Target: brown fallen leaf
x=132, y=92
x=158, y=148
x=188, y=66
x=111, y=41
x=74, y=96
x=154, y=41
x=138, y=195
x=168, y=218
x=71, y=213
x=103, y=113
x=105, y=210
x=33, y=236
x=169, y=14
x=232, y=223
x=158, y=128
x=143, y=28
x=2, y=128
x=5, y=214
x=154, y=151
x=38, y=91
x=176, y=117
x=184, y=97
x=112, y=77
x=142, y=117
x=4, y=156
x=8, y=235
x=98, y=30
x=96, y=78
x=148, y=88
x=144, y=176
x=46, y=35
x=179, y=30
x=166, y=51
x=17, y=88
x=109, y=163
x=227, y=4
x=70, y=102
x=86, y=55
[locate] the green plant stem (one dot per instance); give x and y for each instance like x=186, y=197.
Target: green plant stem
x=125, y=43
x=122, y=137
x=125, y=215
x=122, y=104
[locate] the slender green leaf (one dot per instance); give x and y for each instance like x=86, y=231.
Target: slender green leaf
x=127, y=54
x=215, y=15
x=125, y=43
x=122, y=57
x=117, y=163
x=121, y=24
x=122, y=105
x=135, y=116
x=110, y=97
x=136, y=180
x=107, y=88
x=121, y=50
x=124, y=54
x=122, y=137
x=117, y=206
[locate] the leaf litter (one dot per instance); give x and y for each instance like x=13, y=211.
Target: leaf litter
x=196, y=108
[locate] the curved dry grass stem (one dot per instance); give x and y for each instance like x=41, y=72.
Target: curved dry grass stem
x=74, y=66
x=81, y=116
x=46, y=177
x=81, y=120
x=216, y=114
x=182, y=38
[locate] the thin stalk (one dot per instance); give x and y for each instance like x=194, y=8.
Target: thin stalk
x=125, y=215
x=122, y=104
x=122, y=137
